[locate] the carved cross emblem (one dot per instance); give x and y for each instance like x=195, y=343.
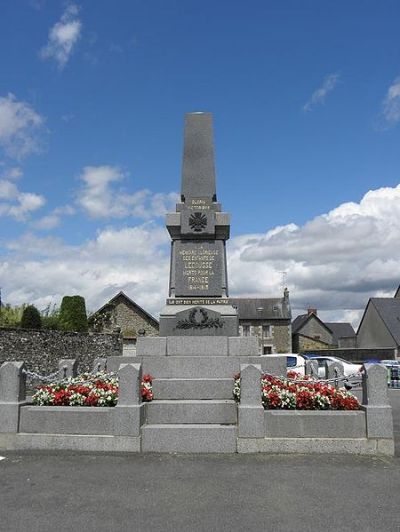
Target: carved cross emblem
x=198, y=221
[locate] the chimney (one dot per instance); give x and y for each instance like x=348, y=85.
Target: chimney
x=311, y=311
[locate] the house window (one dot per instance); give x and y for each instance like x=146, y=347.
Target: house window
x=317, y=337
x=267, y=331
x=246, y=330
x=267, y=350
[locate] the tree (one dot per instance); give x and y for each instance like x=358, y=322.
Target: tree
x=51, y=317
x=73, y=314
x=11, y=316
x=31, y=318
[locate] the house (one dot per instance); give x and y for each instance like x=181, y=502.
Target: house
x=380, y=324
x=310, y=332
x=267, y=318
x=121, y=311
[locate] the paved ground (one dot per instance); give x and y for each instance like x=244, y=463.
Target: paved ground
x=88, y=492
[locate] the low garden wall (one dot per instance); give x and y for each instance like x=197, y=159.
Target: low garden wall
x=368, y=430
x=43, y=349
x=356, y=354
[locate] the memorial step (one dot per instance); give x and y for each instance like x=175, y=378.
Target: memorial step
x=193, y=388
x=219, y=411
x=193, y=438
x=203, y=367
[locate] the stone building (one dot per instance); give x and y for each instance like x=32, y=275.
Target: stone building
x=267, y=318
x=310, y=332
x=380, y=324
x=123, y=312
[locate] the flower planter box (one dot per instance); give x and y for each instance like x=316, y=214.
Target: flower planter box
x=67, y=420
x=314, y=424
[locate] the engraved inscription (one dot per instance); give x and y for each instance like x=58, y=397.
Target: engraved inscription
x=197, y=301
x=199, y=268
x=198, y=204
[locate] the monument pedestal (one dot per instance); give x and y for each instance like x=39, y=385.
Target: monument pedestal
x=195, y=320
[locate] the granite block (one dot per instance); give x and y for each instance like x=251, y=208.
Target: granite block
x=274, y=365
x=67, y=367
x=361, y=446
x=314, y=424
x=374, y=385
x=128, y=420
x=9, y=417
x=193, y=388
x=189, y=438
x=379, y=421
x=243, y=346
x=197, y=346
x=151, y=346
x=129, y=382
x=251, y=421
x=66, y=420
x=250, y=384
x=70, y=442
x=191, y=411
x=12, y=382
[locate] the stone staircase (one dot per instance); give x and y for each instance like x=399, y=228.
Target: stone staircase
x=193, y=410
x=191, y=414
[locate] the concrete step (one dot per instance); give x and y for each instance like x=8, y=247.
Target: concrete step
x=193, y=388
x=191, y=438
x=220, y=411
x=196, y=367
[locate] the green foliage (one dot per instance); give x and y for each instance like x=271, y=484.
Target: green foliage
x=73, y=314
x=31, y=318
x=11, y=316
x=51, y=317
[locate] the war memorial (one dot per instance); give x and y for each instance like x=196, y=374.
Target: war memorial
x=193, y=362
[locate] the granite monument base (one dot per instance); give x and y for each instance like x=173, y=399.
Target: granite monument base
x=193, y=320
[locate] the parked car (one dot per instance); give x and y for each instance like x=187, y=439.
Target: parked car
x=393, y=367
x=349, y=368
x=294, y=361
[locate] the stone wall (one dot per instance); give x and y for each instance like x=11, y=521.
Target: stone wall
x=304, y=343
x=129, y=318
x=355, y=355
x=279, y=339
x=41, y=350
x=282, y=338
x=131, y=321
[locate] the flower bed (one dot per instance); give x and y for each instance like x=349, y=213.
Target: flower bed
x=305, y=394
x=100, y=389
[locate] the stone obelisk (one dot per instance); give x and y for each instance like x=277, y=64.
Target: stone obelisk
x=198, y=286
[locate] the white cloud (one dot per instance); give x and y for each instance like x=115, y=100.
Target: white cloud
x=63, y=37
x=318, y=96
x=20, y=125
x=133, y=259
x=391, y=104
x=99, y=196
x=17, y=204
x=334, y=262
x=52, y=220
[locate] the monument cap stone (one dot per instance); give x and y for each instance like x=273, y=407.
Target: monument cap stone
x=198, y=170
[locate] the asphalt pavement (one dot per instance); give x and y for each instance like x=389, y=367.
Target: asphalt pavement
x=108, y=492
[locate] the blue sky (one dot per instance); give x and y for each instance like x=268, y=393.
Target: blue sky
x=306, y=104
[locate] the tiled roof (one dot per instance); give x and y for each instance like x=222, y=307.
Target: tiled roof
x=389, y=310
x=340, y=330
x=261, y=308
